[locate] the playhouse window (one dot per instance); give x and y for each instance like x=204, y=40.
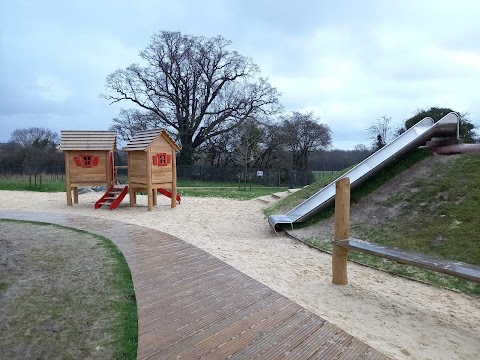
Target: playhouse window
x=162, y=159
x=87, y=161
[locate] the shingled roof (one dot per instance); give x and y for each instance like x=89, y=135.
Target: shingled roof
x=143, y=138
x=88, y=140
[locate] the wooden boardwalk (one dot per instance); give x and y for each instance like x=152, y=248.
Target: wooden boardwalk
x=193, y=305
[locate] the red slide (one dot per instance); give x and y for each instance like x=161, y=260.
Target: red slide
x=168, y=194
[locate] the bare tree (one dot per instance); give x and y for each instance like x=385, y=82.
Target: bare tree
x=247, y=147
x=194, y=85
x=219, y=150
x=302, y=134
x=360, y=147
x=130, y=121
x=37, y=147
x=33, y=134
x=271, y=147
x=222, y=150
x=380, y=132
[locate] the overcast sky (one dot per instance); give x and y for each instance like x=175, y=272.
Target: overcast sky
x=350, y=62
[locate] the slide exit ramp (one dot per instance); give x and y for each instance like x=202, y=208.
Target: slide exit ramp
x=414, y=137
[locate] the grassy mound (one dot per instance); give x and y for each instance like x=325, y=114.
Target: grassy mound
x=388, y=173
x=437, y=212
x=439, y=216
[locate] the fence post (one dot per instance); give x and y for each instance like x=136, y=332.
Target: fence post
x=342, y=231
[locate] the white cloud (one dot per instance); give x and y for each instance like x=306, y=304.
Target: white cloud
x=51, y=88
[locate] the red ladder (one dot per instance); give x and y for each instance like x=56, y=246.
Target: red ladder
x=113, y=196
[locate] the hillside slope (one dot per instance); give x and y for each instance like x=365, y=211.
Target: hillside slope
x=432, y=207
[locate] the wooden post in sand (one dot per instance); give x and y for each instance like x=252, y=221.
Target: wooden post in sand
x=342, y=231
x=174, y=179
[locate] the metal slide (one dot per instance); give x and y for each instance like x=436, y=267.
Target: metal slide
x=414, y=137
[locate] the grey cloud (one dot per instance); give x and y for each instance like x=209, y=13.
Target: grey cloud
x=350, y=61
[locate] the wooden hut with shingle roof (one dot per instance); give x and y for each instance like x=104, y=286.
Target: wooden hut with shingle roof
x=88, y=159
x=152, y=165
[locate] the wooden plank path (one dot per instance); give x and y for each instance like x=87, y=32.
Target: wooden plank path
x=192, y=305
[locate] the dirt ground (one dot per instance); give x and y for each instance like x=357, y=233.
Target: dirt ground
x=54, y=287
x=404, y=319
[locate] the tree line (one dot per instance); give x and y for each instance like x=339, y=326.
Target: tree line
x=33, y=148
x=254, y=145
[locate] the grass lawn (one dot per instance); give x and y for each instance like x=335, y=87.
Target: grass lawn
x=185, y=188
x=65, y=293
x=224, y=190
x=320, y=175
x=22, y=183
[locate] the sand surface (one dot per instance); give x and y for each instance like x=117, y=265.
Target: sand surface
x=404, y=319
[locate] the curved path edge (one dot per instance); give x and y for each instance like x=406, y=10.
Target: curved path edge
x=191, y=304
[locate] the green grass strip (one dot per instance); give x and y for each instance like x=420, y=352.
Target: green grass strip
x=125, y=337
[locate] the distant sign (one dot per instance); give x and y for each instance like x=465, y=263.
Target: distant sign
x=259, y=173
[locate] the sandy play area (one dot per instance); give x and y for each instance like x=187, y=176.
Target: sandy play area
x=403, y=319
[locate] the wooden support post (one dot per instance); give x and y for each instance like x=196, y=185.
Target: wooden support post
x=75, y=195
x=149, y=180
x=67, y=178
x=154, y=193
x=173, y=203
x=131, y=193
x=342, y=231
x=131, y=190
x=150, y=197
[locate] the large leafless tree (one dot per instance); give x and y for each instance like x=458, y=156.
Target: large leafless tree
x=195, y=86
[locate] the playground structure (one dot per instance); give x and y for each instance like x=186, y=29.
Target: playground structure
x=88, y=160
x=418, y=135
x=343, y=243
x=152, y=166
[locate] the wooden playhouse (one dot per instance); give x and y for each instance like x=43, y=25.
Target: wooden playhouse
x=152, y=166
x=88, y=159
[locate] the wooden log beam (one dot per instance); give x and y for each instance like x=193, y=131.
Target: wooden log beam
x=453, y=268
